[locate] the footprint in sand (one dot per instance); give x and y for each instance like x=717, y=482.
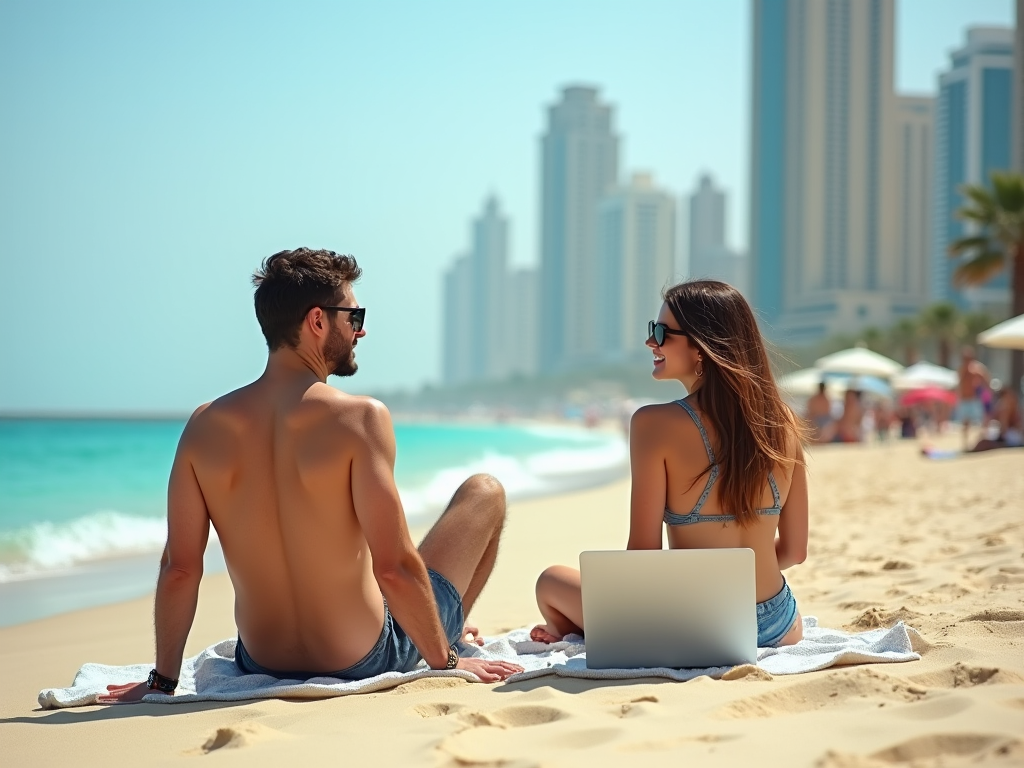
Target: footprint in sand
x=963, y=676
x=934, y=751
x=633, y=707
x=997, y=614
x=827, y=691
x=936, y=746
x=897, y=565
x=520, y=716
x=437, y=709
x=495, y=739
x=236, y=737
x=874, y=618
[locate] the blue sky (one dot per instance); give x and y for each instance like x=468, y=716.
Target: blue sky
x=151, y=154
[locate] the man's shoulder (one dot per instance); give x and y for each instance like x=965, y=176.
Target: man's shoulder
x=357, y=413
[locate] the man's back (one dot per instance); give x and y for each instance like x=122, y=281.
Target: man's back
x=273, y=464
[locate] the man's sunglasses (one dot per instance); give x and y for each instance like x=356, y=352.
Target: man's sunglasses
x=356, y=315
x=657, y=331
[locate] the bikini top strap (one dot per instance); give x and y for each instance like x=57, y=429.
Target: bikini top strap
x=700, y=426
x=776, y=498
x=713, y=475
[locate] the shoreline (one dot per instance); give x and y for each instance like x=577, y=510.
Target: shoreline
x=894, y=536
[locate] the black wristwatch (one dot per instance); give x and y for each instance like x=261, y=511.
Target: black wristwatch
x=453, y=659
x=158, y=682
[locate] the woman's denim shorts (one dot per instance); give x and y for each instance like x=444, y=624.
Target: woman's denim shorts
x=775, y=617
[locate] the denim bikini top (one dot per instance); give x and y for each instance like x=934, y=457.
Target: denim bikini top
x=671, y=518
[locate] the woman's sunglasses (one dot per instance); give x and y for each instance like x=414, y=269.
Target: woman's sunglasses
x=356, y=315
x=658, y=331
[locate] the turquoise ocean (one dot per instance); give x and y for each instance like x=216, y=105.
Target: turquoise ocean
x=81, y=500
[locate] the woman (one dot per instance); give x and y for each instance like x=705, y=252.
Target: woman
x=721, y=468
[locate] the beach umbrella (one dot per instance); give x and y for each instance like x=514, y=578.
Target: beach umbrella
x=925, y=374
x=801, y=383
x=859, y=361
x=1008, y=334
x=929, y=394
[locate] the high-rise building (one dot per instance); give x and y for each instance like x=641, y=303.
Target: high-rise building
x=915, y=122
x=973, y=138
x=522, y=322
x=579, y=163
x=709, y=256
x=457, y=343
x=824, y=228
x=474, y=302
x=636, y=260
x=489, y=260
x=1018, y=90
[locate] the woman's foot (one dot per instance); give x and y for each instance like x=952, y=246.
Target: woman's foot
x=543, y=633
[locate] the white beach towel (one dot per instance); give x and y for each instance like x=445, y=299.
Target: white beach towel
x=213, y=676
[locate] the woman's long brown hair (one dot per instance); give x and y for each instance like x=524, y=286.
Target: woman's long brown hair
x=738, y=395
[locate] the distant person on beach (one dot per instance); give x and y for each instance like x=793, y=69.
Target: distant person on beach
x=297, y=478
x=721, y=468
x=850, y=427
x=819, y=415
x=973, y=381
x=1007, y=414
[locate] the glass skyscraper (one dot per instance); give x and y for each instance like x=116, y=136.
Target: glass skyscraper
x=973, y=135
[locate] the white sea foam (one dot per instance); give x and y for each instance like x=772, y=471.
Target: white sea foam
x=50, y=547
x=47, y=548
x=536, y=475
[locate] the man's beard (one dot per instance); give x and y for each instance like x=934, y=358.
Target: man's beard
x=338, y=354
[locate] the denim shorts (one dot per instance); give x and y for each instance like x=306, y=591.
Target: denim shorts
x=775, y=617
x=394, y=651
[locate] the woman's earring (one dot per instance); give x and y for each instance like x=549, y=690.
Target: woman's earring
x=699, y=371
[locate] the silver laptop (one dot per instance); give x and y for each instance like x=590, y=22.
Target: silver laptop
x=669, y=608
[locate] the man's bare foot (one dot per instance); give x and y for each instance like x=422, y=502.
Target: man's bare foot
x=542, y=634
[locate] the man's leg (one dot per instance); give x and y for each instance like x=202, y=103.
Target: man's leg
x=463, y=545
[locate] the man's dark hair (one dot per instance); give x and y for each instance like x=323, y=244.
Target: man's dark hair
x=290, y=283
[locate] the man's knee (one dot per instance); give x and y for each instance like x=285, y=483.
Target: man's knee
x=485, y=488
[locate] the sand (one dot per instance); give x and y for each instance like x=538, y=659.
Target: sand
x=939, y=544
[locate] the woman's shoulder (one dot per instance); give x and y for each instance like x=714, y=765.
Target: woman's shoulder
x=662, y=421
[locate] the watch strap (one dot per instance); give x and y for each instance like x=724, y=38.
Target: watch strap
x=158, y=682
x=453, y=658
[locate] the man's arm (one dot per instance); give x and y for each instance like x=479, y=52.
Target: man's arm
x=397, y=565
x=181, y=569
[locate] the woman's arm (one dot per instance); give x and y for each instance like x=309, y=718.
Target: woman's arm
x=647, y=467
x=791, y=544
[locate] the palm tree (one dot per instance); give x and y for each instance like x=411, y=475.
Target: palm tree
x=874, y=339
x=942, y=323
x=998, y=244
x=905, y=335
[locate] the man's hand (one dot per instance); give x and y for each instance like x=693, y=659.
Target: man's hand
x=488, y=671
x=471, y=635
x=129, y=693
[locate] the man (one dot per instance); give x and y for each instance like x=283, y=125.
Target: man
x=298, y=479
x=819, y=414
x=973, y=379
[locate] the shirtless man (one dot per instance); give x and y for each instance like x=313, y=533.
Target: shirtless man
x=973, y=380
x=297, y=478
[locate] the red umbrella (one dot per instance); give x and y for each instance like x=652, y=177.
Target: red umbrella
x=928, y=395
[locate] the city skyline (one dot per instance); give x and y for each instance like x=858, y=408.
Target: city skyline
x=155, y=160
